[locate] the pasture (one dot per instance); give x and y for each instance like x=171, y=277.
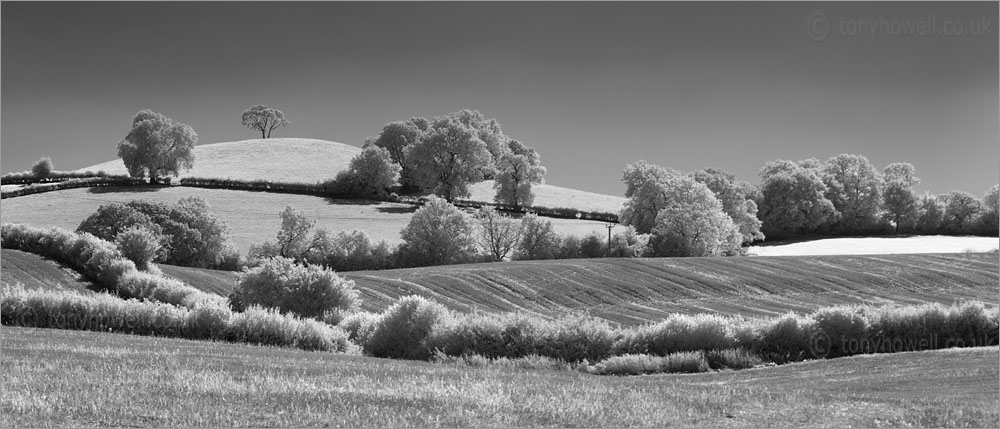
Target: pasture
x=124, y=380
x=640, y=290
x=252, y=216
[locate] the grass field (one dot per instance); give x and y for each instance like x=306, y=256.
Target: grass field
x=121, y=380
x=277, y=159
x=879, y=245
x=252, y=216
x=635, y=291
x=35, y=272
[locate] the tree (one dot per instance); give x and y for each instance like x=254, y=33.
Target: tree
x=371, y=173
x=438, y=234
x=498, y=234
x=692, y=222
x=960, y=212
x=448, y=159
x=156, y=146
x=735, y=201
x=517, y=171
x=396, y=137
x=989, y=219
x=793, y=198
x=931, y=214
x=538, y=239
x=42, y=168
x=593, y=246
x=264, y=119
x=899, y=199
x=645, y=189
x=854, y=186
x=293, y=237
x=628, y=244
x=488, y=131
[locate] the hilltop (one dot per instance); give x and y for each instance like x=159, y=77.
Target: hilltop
x=276, y=159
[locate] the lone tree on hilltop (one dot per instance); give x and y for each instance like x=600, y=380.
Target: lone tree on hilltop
x=156, y=145
x=264, y=119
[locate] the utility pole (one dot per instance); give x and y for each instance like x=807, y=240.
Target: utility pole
x=609, y=226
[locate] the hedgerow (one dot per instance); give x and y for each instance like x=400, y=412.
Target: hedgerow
x=102, y=262
x=25, y=177
x=207, y=320
x=418, y=328
x=91, y=182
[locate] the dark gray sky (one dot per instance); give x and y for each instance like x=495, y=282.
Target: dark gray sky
x=592, y=86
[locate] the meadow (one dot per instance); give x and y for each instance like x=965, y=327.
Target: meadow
x=125, y=380
x=252, y=216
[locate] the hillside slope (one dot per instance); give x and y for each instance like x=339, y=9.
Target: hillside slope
x=635, y=291
x=35, y=272
x=276, y=159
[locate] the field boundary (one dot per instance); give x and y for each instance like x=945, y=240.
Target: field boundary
x=92, y=182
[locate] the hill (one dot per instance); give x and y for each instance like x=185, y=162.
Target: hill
x=276, y=159
x=636, y=291
x=310, y=161
x=35, y=272
x=252, y=216
x=75, y=378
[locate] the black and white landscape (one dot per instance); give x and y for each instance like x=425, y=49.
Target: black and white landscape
x=482, y=214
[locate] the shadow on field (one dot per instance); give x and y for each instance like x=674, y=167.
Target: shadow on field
x=397, y=210
x=350, y=202
x=126, y=189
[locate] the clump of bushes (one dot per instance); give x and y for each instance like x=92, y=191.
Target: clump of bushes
x=571, y=339
x=679, y=333
x=102, y=262
x=288, y=287
x=400, y=331
x=207, y=320
x=190, y=235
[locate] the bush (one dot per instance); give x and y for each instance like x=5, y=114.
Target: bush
x=438, y=234
x=139, y=245
x=400, y=330
x=844, y=326
x=571, y=339
x=359, y=326
x=783, y=339
x=679, y=333
x=282, y=284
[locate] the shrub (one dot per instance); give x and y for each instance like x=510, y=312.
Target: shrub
x=139, y=245
x=438, y=234
x=679, y=333
x=359, y=326
x=208, y=320
x=400, y=330
x=784, y=339
x=845, y=328
x=736, y=358
x=307, y=291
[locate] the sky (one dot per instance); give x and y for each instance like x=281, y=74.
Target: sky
x=591, y=86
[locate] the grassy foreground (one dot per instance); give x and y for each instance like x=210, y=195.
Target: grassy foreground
x=69, y=378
